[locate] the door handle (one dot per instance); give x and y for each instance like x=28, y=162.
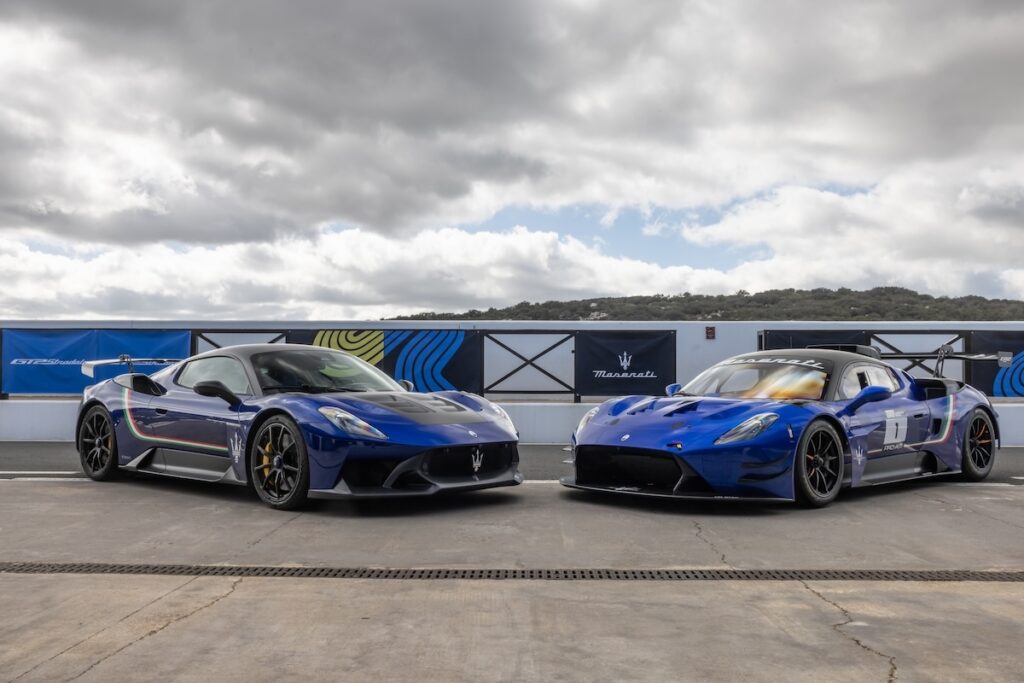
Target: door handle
x=919, y=415
x=161, y=411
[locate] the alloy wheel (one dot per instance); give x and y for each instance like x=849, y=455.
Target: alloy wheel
x=980, y=444
x=276, y=462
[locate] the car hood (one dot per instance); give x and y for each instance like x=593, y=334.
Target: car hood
x=651, y=421
x=426, y=409
x=409, y=418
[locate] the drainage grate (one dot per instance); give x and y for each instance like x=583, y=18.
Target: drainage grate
x=517, y=574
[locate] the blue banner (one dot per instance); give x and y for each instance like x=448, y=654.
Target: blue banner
x=433, y=360
x=987, y=375
x=50, y=361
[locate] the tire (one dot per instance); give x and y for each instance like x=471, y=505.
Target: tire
x=979, y=446
x=97, y=444
x=279, y=464
x=819, y=465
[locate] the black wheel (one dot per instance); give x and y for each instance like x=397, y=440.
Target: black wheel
x=279, y=464
x=979, y=448
x=97, y=444
x=819, y=465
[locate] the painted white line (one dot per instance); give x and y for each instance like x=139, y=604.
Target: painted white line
x=31, y=472
x=983, y=484
x=540, y=481
x=37, y=479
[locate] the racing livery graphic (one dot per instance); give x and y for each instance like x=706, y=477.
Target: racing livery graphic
x=797, y=424
x=293, y=421
x=434, y=360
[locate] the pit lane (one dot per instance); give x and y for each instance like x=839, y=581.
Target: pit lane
x=104, y=625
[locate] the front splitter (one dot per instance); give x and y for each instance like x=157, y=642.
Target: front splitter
x=570, y=482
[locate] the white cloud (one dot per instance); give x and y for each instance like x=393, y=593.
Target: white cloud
x=242, y=128
x=337, y=275
x=938, y=229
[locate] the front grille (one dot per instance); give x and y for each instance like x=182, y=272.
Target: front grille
x=410, y=481
x=457, y=461
x=614, y=467
x=367, y=473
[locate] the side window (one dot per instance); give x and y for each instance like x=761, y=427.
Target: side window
x=881, y=377
x=220, y=368
x=854, y=379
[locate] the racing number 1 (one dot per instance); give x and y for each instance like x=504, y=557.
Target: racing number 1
x=895, y=429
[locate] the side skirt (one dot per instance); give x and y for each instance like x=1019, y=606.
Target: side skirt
x=903, y=467
x=169, y=462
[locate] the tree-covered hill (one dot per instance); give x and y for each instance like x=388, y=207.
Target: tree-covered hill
x=880, y=303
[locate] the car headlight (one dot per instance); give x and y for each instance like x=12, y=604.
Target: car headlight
x=585, y=420
x=503, y=417
x=351, y=424
x=748, y=429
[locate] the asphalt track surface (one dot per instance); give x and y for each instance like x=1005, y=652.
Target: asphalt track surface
x=129, y=613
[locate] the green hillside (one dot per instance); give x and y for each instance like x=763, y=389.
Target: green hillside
x=880, y=303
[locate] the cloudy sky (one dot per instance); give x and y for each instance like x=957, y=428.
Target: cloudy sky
x=338, y=160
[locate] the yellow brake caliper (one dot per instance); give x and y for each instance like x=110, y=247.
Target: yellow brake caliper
x=266, y=460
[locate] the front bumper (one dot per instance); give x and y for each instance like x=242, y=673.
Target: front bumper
x=417, y=476
x=717, y=473
x=570, y=482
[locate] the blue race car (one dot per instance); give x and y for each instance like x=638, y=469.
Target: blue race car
x=791, y=425
x=293, y=421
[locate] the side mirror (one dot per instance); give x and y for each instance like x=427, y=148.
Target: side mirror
x=218, y=390
x=407, y=385
x=866, y=395
x=673, y=389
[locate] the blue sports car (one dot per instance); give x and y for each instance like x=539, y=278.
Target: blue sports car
x=293, y=421
x=791, y=425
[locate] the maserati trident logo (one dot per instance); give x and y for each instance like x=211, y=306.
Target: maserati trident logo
x=477, y=456
x=235, y=446
x=625, y=361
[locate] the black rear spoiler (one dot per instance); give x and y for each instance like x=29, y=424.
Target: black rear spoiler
x=940, y=355
x=89, y=366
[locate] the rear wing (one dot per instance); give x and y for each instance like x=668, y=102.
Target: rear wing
x=89, y=366
x=940, y=355
x=946, y=352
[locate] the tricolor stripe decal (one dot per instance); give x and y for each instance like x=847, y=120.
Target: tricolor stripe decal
x=948, y=428
x=139, y=434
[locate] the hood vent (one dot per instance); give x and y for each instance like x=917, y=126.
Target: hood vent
x=420, y=408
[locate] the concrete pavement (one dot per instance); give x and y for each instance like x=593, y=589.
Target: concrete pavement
x=117, y=627
x=174, y=628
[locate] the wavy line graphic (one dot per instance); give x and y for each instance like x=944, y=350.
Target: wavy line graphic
x=423, y=359
x=393, y=338
x=1010, y=381
x=365, y=344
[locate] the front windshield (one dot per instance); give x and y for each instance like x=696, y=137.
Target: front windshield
x=776, y=378
x=317, y=369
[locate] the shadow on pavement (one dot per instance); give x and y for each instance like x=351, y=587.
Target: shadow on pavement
x=370, y=507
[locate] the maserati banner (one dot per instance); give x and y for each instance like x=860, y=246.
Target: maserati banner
x=619, y=363
x=50, y=361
